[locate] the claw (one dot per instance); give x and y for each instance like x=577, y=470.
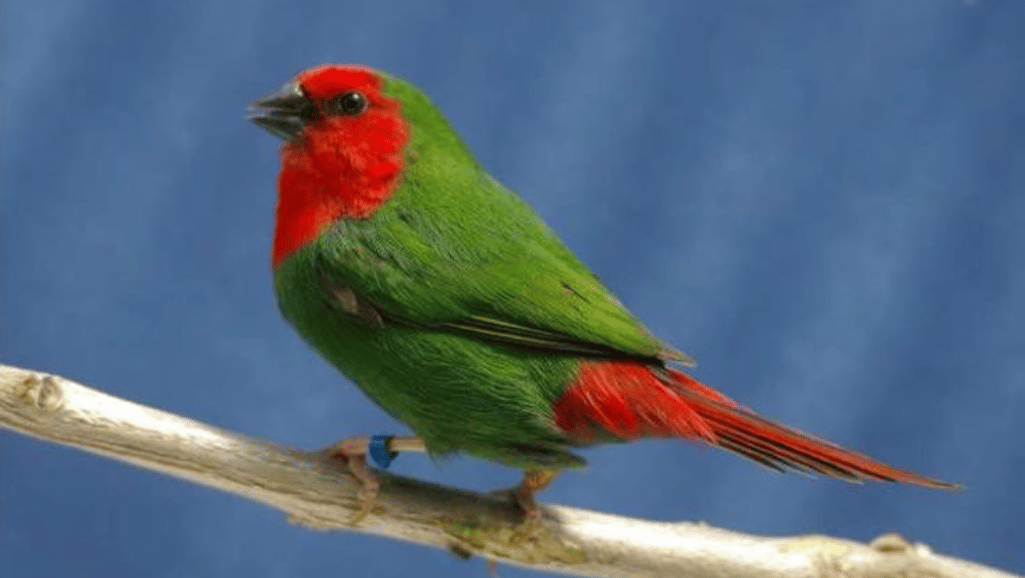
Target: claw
x=354, y=451
x=534, y=480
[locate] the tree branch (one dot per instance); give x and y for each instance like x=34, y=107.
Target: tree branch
x=319, y=493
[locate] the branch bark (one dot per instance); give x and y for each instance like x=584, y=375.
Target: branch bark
x=319, y=493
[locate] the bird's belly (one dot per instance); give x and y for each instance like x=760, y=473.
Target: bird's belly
x=457, y=393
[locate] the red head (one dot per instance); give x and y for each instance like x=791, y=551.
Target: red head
x=344, y=151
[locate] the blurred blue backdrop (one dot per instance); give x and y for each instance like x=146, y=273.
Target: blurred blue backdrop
x=823, y=203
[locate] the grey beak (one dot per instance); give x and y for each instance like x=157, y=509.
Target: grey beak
x=283, y=113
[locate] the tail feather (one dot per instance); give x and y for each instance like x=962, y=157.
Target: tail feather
x=629, y=400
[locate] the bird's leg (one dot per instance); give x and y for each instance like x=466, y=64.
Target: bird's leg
x=354, y=451
x=534, y=480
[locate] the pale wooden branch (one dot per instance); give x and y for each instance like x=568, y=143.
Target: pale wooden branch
x=318, y=492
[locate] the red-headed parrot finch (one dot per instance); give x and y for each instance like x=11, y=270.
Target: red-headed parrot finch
x=454, y=307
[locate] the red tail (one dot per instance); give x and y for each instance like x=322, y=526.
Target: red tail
x=630, y=400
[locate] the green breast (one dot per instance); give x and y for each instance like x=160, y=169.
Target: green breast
x=457, y=393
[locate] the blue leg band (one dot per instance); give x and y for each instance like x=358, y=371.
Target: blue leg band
x=378, y=450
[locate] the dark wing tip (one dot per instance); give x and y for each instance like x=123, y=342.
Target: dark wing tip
x=670, y=354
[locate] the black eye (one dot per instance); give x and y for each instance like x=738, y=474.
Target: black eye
x=349, y=104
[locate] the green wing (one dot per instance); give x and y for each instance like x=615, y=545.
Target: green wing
x=483, y=265
x=453, y=250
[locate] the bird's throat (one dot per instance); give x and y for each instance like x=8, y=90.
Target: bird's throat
x=332, y=176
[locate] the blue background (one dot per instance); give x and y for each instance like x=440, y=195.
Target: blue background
x=824, y=204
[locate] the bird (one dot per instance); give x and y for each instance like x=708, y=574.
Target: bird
x=453, y=306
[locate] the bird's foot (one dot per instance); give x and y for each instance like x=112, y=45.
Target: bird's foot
x=534, y=480
x=354, y=451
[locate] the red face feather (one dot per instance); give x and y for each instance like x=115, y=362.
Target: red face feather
x=345, y=167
